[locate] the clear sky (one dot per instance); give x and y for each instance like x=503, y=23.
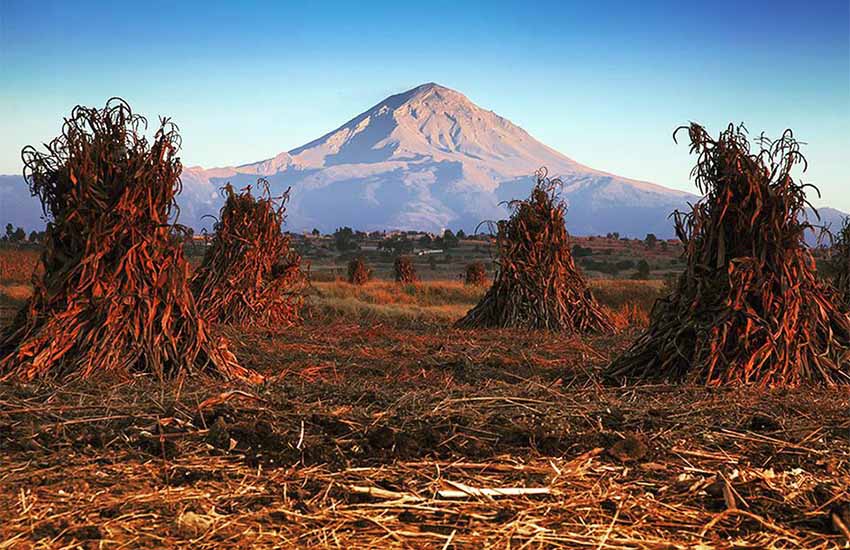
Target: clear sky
x=603, y=82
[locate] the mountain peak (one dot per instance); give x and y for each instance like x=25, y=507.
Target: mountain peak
x=430, y=91
x=435, y=94
x=428, y=87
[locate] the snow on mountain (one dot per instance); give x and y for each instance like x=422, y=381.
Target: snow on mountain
x=426, y=159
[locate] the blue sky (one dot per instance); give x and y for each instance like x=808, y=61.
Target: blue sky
x=603, y=82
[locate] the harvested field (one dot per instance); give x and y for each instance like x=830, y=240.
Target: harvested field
x=376, y=434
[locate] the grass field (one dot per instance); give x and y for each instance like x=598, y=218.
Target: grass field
x=381, y=426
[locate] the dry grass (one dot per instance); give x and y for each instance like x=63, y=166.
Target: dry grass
x=617, y=293
x=17, y=265
x=443, y=302
x=426, y=293
x=432, y=302
x=15, y=292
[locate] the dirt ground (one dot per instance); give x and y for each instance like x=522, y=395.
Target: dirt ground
x=372, y=436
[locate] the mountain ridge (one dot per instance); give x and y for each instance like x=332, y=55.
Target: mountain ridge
x=427, y=159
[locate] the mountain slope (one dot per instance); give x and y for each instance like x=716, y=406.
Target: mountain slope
x=428, y=159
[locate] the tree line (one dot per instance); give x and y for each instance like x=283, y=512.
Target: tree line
x=18, y=235
x=346, y=240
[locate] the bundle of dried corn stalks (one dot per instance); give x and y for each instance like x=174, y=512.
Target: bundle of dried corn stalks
x=537, y=284
x=749, y=308
x=476, y=274
x=839, y=260
x=115, y=293
x=249, y=274
x=358, y=272
x=404, y=270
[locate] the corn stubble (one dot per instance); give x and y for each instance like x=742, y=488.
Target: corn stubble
x=404, y=270
x=249, y=275
x=537, y=284
x=358, y=272
x=476, y=274
x=840, y=262
x=114, y=294
x=749, y=307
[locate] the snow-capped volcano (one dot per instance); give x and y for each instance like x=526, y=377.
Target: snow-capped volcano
x=425, y=159
x=429, y=158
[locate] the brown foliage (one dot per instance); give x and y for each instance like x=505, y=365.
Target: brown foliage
x=476, y=274
x=404, y=270
x=358, y=272
x=114, y=294
x=249, y=274
x=840, y=262
x=629, y=315
x=749, y=308
x=537, y=284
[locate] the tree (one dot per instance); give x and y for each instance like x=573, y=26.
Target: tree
x=581, y=252
x=19, y=235
x=10, y=230
x=426, y=241
x=642, y=270
x=344, y=239
x=651, y=240
x=461, y=234
x=315, y=232
x=397, y=245
x=449, y=239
